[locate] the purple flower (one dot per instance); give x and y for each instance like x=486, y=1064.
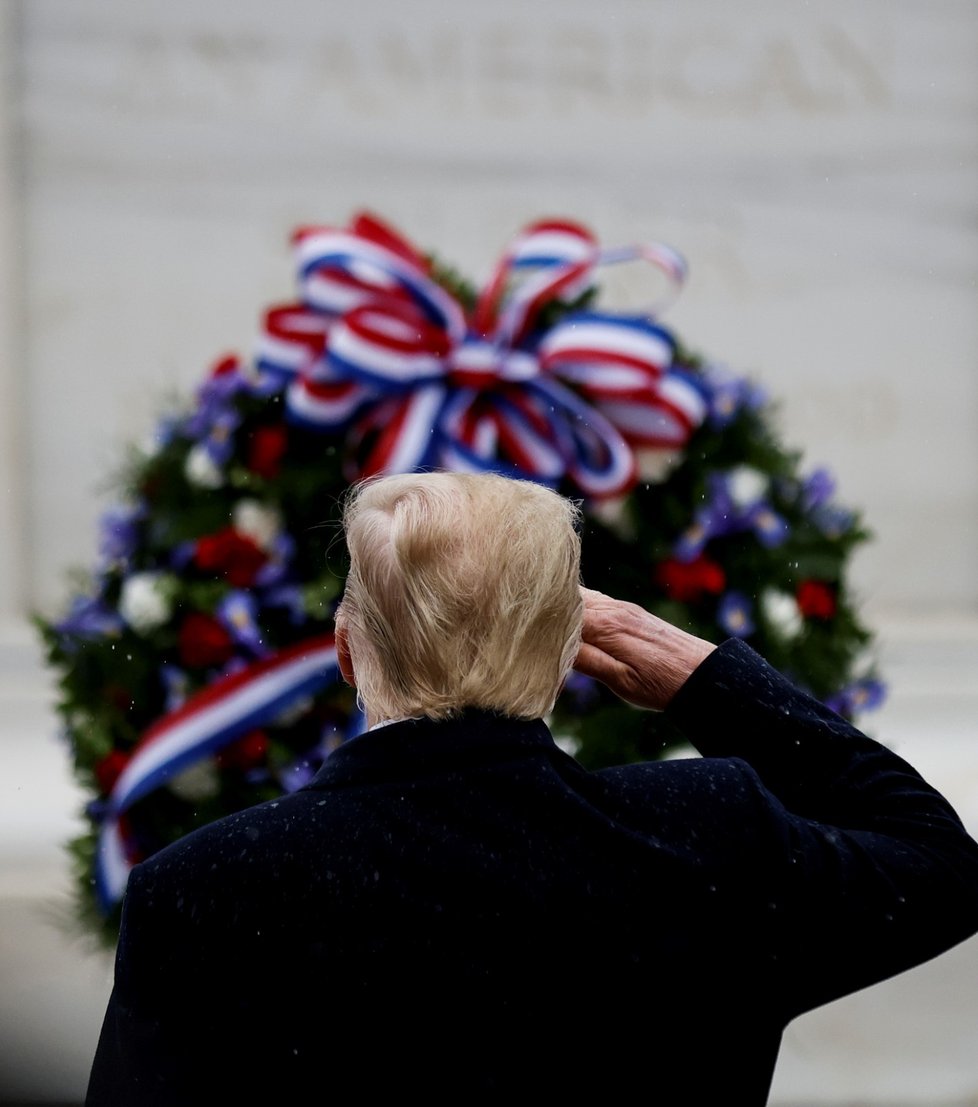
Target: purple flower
x=717, y=516
x=220, y=388
x=728, y=511
x=690, y=543
x=276, y=568
x=219, y=440
x=176, y=685
x=728, y=393
x=724, y=401
x=817, y=489
x=238, y=613
x=754, y=396
x=262, y=383
x=720, y=506
x=90, y=617
x=734, y=615
x=866, y=694
x=771, y=528
x=166, y=428
x=833, y=522
x=215, y=418
x=119, y=533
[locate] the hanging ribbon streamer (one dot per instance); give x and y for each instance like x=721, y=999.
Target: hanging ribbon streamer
x=207, y=722
x=379, y=349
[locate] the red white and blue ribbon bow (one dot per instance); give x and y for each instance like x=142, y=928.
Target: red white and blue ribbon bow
x=379, y=349
x=208, y=721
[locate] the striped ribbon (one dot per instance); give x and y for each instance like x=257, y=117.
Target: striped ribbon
x=208, y=721
x=378, y=348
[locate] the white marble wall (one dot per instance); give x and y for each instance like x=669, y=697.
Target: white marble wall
x=815, y=162
x=13, y=393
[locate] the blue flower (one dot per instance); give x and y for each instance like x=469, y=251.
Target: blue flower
x=728, y=393
x=90, y=617
x=690, y=543
x=166, y=428
x=176, y=685
x=237, y=613
x=817, y=489
x=717, y=516
x=866, y=694
x=833, y=522
x=216, y=418
x=734, y=615
x=119, y=534
x=224, y=383
x=276, y=568
x=724, y=402
x=219, y=440
x=771, y=528
x=754, y=396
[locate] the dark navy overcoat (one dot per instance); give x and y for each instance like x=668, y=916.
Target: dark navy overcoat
x=456, y=911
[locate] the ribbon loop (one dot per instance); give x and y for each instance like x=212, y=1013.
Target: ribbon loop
x=379, y=348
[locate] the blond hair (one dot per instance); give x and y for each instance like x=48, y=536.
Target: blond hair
x=463, y=591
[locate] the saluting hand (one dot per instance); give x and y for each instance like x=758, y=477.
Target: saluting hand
x=641, y=658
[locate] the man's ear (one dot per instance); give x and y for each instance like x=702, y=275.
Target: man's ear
x=343, y=651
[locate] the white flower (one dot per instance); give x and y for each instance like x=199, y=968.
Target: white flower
x=260, y=523
x=144, y=601
x=782, y=612
x=655, y=465
x=197, y=782
x=614, y=515
x=746, y=485
x=201, y=470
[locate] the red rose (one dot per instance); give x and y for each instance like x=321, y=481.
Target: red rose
x=816, y=599
x=203, y=642
x=247, y=752
x=109, y=769
x=232, y=554
x=688, y=581
x=266, y=448
x=227, y=364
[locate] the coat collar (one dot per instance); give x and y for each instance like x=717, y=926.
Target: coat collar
x=423, y=747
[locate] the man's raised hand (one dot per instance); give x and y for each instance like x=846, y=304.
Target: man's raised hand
x=641, y=658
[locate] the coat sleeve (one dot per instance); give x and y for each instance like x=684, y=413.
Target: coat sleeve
x=132, y=1066
x=875, y=872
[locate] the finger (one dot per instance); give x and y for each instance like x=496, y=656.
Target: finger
x=594, y=599
x=594, y=662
